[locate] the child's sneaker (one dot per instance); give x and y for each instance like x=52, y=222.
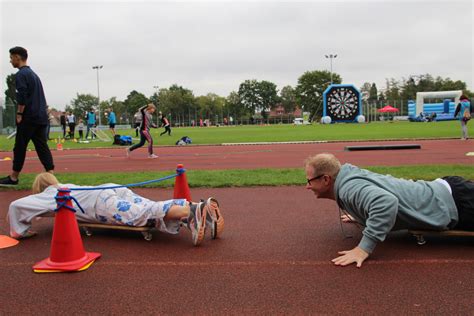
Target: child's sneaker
x=214, y=218
x=197, y=222
x=152, y=156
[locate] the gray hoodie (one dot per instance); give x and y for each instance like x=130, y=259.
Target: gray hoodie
x=383, y=203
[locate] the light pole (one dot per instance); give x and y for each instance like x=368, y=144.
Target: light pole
x=331, y=57
x=98, y=91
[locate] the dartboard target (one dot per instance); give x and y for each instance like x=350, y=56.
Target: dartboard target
x=342, y=103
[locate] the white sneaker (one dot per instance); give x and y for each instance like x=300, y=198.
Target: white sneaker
x=152, y=156
x=197, y=223
x=214, y=218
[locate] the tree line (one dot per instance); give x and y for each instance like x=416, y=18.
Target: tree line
x=253, y=99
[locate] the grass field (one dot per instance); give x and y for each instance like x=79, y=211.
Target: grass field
x=281, y=133
x=245, y=178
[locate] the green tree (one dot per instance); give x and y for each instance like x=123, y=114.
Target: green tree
x=373, y=93
x=258, y=95
x=310, y=88
x=210, y=106
x=234, y=107
x=392, y=91
x=288, y=99
x=134, y=101
x=81, y=104
x=178, y=103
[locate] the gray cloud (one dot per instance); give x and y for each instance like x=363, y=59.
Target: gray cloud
x=214, y=46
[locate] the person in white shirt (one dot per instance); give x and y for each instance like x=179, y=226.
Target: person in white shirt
x=71, y=121
x=118, y=206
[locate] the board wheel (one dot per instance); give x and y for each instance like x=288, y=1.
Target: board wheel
x=147, y=235
x=87, y=231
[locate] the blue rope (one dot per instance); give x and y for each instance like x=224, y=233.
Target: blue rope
x=62, y=200
x=179, y=172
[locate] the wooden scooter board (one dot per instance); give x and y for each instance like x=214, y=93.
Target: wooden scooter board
x=146, y=231
x=419, y=234
x=443, y=232
x=117, y=227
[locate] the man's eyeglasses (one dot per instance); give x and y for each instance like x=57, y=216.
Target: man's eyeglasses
x=315, y=178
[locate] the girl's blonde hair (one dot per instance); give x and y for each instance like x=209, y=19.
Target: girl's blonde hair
x=42, y=181
x=151, y=106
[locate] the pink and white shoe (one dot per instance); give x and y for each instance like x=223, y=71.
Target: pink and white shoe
x=214, y=218
x=152, y=156
x=197, y=222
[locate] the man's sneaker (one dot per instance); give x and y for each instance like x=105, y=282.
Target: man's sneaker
x=214, y=218
x=7, y=181
x=152, y=156
x=197, y=222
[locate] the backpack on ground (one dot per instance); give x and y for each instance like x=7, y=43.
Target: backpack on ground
x=185, y=140
x=125, y=140
x=116, y=140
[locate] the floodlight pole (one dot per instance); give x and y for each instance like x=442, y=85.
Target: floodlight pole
x=98, y=91
x=331, y=57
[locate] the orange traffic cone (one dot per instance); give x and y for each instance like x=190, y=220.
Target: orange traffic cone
x=59, y=146
x=67, y=251
x=181, y=187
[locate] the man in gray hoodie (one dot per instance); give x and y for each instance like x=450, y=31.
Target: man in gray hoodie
x=382, y=203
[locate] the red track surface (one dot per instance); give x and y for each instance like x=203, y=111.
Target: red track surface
x=274, y=256
x=247, y=157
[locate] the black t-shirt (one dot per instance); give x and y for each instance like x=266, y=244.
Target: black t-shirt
x=29, y=92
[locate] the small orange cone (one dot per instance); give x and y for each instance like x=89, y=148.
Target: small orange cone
x=181, y=187
x=59, y=146
x=67, y=251
x=6, y=242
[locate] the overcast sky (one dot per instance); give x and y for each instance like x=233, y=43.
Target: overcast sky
x=214, y=46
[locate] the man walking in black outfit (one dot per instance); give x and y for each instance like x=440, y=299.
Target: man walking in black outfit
x=31, y=117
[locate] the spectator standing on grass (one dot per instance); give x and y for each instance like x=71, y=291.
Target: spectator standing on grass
x=80, y=129
x=62, y=121
x=90, y=123
x=112, y=121
x=71, y=121
x=31, y=117
x=464, y=109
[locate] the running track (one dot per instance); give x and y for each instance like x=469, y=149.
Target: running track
x=247, y=156
x=274, y=257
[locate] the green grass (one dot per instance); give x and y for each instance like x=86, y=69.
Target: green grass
x=246, y=178
x=280, y=133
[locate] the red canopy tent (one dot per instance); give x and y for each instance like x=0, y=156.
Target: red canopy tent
x=387, y=109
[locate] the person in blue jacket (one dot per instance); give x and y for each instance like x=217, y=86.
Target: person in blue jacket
x=90, y=119
x=382, y=203
x=463, y=108
x=112, y=121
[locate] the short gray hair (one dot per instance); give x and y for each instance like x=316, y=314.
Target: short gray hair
x=324, y=163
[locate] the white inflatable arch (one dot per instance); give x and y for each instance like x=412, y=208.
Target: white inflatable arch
x=421, y=96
